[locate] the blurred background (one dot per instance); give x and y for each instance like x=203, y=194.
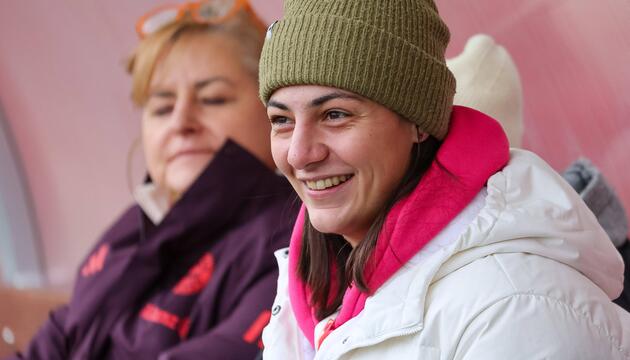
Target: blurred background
x=67, y=124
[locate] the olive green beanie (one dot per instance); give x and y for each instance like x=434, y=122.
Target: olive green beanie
x=389, y=51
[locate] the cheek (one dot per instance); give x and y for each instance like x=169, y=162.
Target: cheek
x=216, y=128
x=356, y=151
x=394, y=165
x=153, y=150
x=279, y=151
x=248, y=120
x=384, y=162
x=253, y=133
x=230, y=121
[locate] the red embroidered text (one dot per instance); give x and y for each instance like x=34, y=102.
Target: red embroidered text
x=95, y=263
x=255, y=330
x=154, y=314
x=197, y=277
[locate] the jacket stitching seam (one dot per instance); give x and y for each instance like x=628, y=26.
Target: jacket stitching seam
x=614, y=342
x=501, y=208
x=505, y=273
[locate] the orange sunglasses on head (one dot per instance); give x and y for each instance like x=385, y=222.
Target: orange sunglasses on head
x=203, y=12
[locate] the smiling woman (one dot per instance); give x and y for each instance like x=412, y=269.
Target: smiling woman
x=350, y=160
x=422, y=236
x=188, y=271
x=313, y=123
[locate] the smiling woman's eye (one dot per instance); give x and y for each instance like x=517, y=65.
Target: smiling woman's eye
x=280, y=122
x=336, y=114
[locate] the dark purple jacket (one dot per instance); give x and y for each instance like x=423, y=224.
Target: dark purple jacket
x=197, y=286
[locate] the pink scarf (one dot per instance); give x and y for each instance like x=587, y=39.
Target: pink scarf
x=474, y=149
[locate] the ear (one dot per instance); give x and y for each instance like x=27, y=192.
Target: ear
x=419, y=135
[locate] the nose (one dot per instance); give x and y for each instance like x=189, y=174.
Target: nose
x=186, y=116
x=307, y=147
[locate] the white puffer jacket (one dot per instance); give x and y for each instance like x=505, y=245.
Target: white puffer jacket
x=524, y=272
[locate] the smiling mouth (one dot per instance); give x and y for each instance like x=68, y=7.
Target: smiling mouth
x=323, y=184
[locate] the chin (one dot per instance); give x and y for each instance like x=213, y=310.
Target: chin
x=180, y=176
x=326, y=223
x=180, y=184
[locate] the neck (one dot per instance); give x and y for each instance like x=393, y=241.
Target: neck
x=355, y=239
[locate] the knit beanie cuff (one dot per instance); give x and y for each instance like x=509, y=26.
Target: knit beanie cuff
x=313, y=49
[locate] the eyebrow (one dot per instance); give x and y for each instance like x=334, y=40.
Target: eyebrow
x=198, y=86
x=276, y=104
x=318, y=101
x=335, y=95
x=203, y=83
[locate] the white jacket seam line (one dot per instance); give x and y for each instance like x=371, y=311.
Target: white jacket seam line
x=505, y=272
x=500, y=209
x=614, y=342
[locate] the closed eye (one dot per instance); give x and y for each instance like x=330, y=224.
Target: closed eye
x=163, y=110
x=214, y=101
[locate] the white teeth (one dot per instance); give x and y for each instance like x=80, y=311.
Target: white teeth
x=327, y=183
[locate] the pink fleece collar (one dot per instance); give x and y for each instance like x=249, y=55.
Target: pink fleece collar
x=474, y=149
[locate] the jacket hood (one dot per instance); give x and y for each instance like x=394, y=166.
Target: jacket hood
x=529, y=208
x=525, y=208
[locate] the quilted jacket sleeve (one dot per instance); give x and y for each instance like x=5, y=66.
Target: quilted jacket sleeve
x=529, y=326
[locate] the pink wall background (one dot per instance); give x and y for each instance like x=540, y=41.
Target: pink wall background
x=65, y=93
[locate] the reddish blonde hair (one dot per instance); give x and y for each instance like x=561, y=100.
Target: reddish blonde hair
x=245, y=28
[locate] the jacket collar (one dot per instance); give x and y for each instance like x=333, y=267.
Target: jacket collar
x=153, y=200
x=217, y=196
x=393, y=309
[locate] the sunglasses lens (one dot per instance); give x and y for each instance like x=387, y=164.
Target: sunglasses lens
x=159, y=20
x=215, y=9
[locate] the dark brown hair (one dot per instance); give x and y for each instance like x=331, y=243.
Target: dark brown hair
x=319, y=249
